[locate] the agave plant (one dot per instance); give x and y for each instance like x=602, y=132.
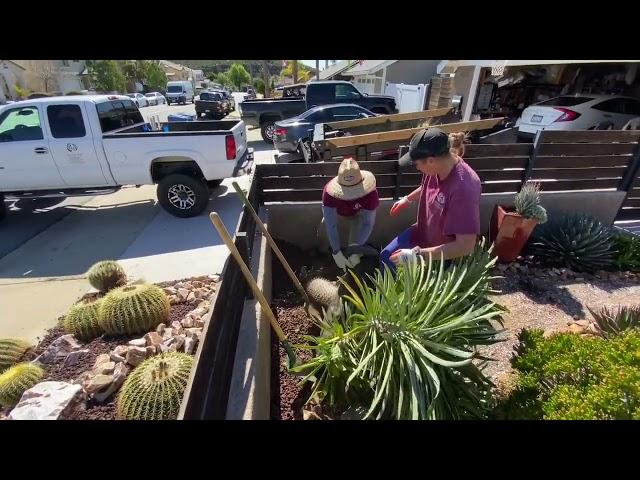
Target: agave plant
x=612, y=322
x=404, y=346
x=576, y=241
x=527, y=202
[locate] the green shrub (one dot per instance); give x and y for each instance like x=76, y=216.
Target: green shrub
x=571, y=377
x=133, y=309
x=627, y=256
x=106, y=275
x=576, y=241
x=154, y=390
x=11, y=351
x=82, y=321
x=613, y=322
x=17, y=380
x=404, y=347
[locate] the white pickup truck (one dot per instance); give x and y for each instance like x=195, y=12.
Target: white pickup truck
x=90, y=145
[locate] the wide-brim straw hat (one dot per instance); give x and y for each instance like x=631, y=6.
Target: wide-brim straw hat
x=351, y=182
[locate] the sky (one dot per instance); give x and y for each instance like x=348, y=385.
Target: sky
x=312, y=63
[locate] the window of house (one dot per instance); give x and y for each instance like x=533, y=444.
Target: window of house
x=66, y=121
x=20, y=124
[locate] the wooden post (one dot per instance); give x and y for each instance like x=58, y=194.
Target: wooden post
x=532, y=158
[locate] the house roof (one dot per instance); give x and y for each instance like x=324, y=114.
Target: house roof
x=335, y=69
x=368, y=67
x=175, y=66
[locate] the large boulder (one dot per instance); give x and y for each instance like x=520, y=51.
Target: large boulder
x=48, y=401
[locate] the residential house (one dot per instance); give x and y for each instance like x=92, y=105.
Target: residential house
x=334, y=72
x=11, y=74
x=51, y=76
x=371, y=76
x=176, y=72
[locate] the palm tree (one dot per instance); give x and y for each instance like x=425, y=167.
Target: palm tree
x=294, y=70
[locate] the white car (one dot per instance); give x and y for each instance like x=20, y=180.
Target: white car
x=155, y=98
x=577, y=112
x=139, y=99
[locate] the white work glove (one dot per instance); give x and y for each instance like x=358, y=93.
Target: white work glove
x=407, y=255
x=354, y=259
x=341, y=260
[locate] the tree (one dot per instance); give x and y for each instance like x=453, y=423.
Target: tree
x=260, y=86
x=265, y=79
x=44, y=73
x=238, y=75
x=294, y=70
x=106, y=75
x=223, y=79
x=155, y=77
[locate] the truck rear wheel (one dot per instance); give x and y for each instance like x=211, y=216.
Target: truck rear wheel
x=183, y=196
x=267, y=130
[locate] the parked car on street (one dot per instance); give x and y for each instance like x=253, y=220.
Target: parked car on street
x=212, y=104
x=265, y=112
x=155, y=98
x=577, y=112
x=288, y=133
x=95, y=144
x=179, y=92
x=139, y=99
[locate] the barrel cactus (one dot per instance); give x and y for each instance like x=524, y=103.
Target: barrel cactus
x=17, y=380
x=576, y=241
x=133, y=309
x=82, y=321
x=322, y=291
x=11, y=351
x=106, y=275
x=154, y=390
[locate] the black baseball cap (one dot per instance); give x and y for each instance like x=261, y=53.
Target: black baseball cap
x=431, y=142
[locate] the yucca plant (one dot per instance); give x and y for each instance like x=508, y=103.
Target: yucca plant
x=527, y=202
x=576, y=241
x=627, y=248
x=404, y=345
x=612, y=322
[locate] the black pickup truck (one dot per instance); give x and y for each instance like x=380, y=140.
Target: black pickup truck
x=212, y=104
x=265, y=112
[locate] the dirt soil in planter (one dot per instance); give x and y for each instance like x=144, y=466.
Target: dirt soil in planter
x=549, y=299
x=58, y=372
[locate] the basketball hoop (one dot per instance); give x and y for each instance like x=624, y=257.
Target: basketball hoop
x=498, y=67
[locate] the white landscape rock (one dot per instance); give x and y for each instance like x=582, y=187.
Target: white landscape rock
x=119, y=375
x=138, y=342
x=190, y=344
x=74, y=357
x=61, y=347
x=98, y=383
x=48, y=401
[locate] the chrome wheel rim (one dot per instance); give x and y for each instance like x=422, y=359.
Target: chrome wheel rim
x=181, y=196
x=270, y=130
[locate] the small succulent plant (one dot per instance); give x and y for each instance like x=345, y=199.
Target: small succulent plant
x=17, y=380
x=322, y=291
x=612, y=322
x=527, y=202
x=154, y=390
x=133, y=309
x=106, y=275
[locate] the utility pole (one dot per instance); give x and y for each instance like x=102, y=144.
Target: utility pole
x=317, y=69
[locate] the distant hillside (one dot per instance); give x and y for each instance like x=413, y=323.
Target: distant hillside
x=254, y=67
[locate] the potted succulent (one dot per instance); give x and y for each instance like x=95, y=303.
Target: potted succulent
x=511, y=226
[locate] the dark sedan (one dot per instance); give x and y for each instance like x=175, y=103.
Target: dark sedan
x=290, y=131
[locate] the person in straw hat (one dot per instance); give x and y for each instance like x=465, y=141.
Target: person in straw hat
x=350, y=197
x=448, y=220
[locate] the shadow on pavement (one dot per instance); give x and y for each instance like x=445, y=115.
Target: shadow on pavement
x=123, y=230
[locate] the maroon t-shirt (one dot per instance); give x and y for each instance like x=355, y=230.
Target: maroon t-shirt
x=448, y=207
x=349, y=208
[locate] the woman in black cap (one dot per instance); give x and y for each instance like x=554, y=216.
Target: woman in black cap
x=448, y=221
